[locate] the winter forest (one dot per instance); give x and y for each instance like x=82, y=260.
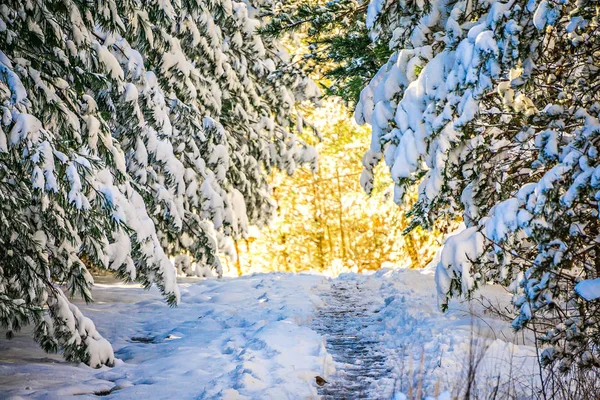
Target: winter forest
x=300, y=199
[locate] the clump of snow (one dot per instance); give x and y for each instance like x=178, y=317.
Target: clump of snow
x=460, y=251
x=589, y=289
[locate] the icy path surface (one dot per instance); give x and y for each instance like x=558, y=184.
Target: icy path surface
x=363, y=370
x=268, y=336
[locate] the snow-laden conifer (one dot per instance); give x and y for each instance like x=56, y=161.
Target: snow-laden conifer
x=492, y=108
x=131, y=131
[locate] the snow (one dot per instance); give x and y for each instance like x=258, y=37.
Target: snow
x=411, y=329
x=252, y=337
x=26, y=126
x=544, y=14
x=589, y=289
x=238, y=337
x=460, y=251
x=240, y=217
x=105, y=57
x=48, y=180
x=373, y=11
x=18, y=91
x=131, y=93
x=75, y=194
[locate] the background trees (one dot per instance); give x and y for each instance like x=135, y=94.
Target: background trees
x=324, y=220
x=131, y=132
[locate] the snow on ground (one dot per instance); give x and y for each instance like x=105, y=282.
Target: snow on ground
x=251, y=337
x=431, y=350
x=229, y=338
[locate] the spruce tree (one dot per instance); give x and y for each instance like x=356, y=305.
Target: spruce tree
x=492, y=109
x=131, y=131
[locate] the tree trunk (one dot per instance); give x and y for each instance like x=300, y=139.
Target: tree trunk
x=341, y=216
x=238, y=263
x=319, y=222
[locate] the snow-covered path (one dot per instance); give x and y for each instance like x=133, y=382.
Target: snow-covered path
x=232, y=338
x=386, y=335
x=267, y=336
x=363, y=370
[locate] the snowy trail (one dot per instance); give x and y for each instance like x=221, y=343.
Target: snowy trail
x=361, y=362
x=267, y=336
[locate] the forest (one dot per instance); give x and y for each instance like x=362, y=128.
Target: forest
x=263, y=199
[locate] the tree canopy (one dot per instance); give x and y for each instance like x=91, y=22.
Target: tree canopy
x=340, y=50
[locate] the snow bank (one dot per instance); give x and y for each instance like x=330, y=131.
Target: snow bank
x=230, y=338
x=431, y=348
x=589, y=289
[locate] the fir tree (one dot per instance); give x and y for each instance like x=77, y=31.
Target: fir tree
x=131, y=131
x=492, y=109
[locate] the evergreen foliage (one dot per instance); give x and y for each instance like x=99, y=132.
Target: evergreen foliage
x=493, y=109
x=339, y=47
x=132, y=131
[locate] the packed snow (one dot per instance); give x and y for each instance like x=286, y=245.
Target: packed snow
x=254, y=337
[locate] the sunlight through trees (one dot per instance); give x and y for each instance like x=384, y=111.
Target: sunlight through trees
x=325, y=222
